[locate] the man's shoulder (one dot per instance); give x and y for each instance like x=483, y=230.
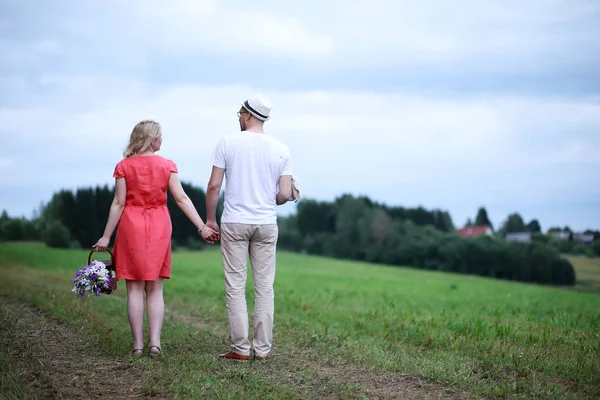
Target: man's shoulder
x=277, y=143
x=234, y=137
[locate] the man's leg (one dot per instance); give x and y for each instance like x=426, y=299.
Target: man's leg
x=262, y=256
x=234, y=249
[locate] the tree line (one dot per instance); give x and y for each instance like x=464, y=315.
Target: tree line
x=515, y=223
x=76, y=219
x=354, y=228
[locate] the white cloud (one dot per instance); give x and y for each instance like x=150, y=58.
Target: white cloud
x=77, y=76
x=159, y=28
x=403, y=148
x=5, y=164
x=210, y=25
x=507, y=36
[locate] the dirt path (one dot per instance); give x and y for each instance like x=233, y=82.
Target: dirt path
x=55, y=362
x=374, y=385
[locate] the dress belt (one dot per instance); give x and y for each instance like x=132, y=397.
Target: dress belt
x=145, y=212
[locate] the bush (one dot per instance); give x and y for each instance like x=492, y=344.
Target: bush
x=579, y=249
x=563, y=272
x=589, y=252
x=290, y=241
x=596, y=247
x=430, y=249
x=541, y=260
x=366, y=231
x=540, y=237
x=55, y=234
x=16, y=229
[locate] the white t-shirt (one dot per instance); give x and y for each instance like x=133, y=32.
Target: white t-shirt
x=253, y=163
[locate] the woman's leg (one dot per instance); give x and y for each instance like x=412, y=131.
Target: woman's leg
x=135, y=311
x=156, y=311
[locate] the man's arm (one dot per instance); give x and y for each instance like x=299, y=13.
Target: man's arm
x=285, y=181
x=285, y=189
x=212, y=195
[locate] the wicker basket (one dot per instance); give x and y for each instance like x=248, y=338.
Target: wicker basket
x=110, y=265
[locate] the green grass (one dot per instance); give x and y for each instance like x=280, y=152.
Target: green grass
x=484, y=337
x=588, y=272
x=11, y=384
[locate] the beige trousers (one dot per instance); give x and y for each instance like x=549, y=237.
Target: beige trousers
x=259, y=242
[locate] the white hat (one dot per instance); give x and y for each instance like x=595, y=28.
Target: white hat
x=259, y=106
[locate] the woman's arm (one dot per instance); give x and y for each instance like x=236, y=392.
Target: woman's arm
x=114, y=215
x=186, y=205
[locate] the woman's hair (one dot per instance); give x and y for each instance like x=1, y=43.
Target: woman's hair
x=142, y=136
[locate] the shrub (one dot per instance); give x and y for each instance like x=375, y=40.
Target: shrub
x=596, y=247
x=55, y=234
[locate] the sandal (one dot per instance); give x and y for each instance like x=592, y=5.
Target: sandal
x=155, y=354
x=134, y=352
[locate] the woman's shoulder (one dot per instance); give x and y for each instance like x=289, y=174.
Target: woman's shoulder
x=166, y=162
x=155, y=160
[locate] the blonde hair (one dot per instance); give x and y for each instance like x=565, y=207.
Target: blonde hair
x=142, y=136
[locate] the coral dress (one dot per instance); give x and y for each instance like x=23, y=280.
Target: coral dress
x=142, y=248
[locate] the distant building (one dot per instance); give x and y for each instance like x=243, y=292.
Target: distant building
x=524, y=237
x=583, y=238
x=561, y=235
x=474, y=231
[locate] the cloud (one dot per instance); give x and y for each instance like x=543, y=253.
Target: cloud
x=446, y=105
x=398, y=148
x=490, y=36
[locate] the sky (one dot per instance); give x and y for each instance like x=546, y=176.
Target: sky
x=449, y=105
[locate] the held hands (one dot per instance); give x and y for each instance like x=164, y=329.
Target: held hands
x=102, y=244
x=210, y=232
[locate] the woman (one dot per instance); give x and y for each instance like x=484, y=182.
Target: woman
x=142, y=247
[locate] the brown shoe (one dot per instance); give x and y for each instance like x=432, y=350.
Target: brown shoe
x=232, y=355
x=261, y=358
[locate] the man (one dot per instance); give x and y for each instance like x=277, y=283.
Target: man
x=258, y=171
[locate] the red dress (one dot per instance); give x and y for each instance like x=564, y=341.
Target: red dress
x=142, y=247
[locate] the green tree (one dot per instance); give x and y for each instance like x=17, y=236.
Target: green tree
x=352, y=227
x=534, y=226
x=16, y=229
x=514, y=223
x=315, y=217
x=447, y=222
x=482, y=218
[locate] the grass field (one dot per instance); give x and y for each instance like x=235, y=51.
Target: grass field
x=337, y=324
x=588, y=273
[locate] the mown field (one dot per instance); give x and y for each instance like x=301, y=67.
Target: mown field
x=337, y=325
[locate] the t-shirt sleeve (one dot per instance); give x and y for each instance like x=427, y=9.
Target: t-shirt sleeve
x=119, y=171
x=287, y=165
x=218, y=156
x=173, y=166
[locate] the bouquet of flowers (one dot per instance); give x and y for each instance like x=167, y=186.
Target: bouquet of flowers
x=95, y=278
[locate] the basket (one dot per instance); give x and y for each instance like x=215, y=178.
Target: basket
x=111, y=267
